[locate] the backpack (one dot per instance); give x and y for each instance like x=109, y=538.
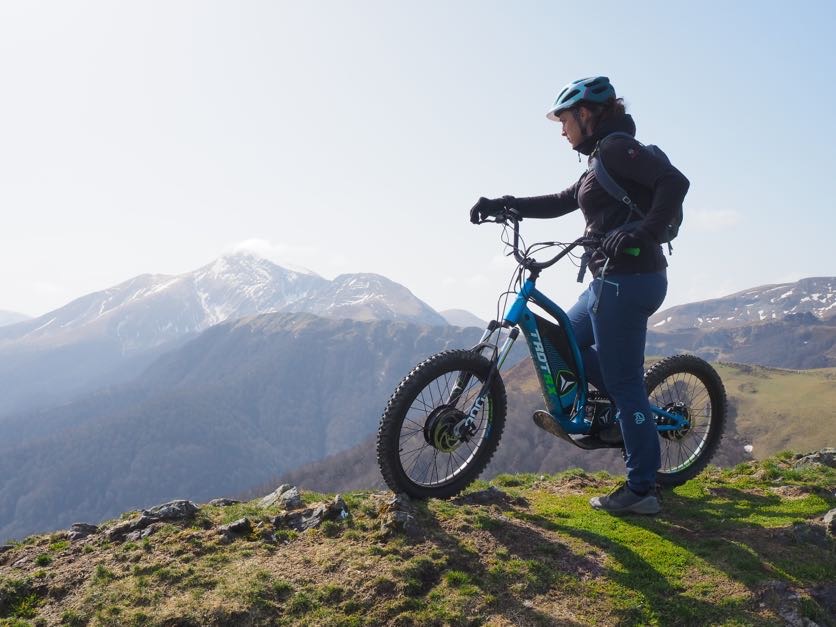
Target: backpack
x=596, y=165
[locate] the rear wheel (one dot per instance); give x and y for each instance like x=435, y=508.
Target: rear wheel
x=421, y=448
x=687, y=386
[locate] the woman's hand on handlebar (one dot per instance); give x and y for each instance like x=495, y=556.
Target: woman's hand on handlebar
x=625, y=239
x=499, y=208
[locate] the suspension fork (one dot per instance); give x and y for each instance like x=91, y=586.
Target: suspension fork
x=467, y=426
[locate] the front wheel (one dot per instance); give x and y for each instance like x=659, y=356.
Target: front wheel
x=421, y=448
x=688, y=386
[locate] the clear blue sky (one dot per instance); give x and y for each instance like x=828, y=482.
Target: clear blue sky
x=355, y=136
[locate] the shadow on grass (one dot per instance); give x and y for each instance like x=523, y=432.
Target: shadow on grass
x=656, y=599
x=534, y=564
x=722, y=530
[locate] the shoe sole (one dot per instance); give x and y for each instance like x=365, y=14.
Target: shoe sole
x=648, y=506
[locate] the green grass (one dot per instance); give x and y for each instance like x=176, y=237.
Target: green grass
x=18, y=599
x=545, y=558
x=60, y=545
x=776, y=408
x=717, y=533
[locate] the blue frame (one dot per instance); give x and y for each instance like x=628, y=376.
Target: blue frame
x=518, y=314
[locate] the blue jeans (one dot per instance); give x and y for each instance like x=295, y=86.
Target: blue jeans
x=610, y=324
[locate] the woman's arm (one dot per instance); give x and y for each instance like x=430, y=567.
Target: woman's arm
x=549, y=206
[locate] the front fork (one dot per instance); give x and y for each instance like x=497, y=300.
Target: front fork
x=466, y=428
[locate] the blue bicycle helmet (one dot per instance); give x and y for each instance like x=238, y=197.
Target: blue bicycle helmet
x=594, y=89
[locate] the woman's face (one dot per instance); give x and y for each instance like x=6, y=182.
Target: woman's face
x=571, y=129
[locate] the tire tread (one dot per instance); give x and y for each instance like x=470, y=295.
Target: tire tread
x=700, y=368
x=390, y=423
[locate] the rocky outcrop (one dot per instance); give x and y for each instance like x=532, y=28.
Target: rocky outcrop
x=80, y=531
x=285, y=496
x=311, y=517
x=223, y=502
x=397, y=515
x=147, y=522
x=824, y=457
x=236, y=529
x=830, y=522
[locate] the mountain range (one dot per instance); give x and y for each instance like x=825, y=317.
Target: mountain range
x=163, y=386
x=462, y=318
x=110, y=336
x=815, y=296
x=246, y=400
x=789, y=325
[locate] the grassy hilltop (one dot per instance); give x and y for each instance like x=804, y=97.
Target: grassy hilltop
x=777, y=409
x=743, y=546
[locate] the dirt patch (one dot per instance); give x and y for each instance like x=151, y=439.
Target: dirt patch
x=793, y=492
x=575, y=484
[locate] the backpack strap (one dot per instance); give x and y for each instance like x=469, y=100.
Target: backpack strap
x=596, y=165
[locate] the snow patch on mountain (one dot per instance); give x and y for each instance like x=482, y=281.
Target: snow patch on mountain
x=151, y=310
x=816, y=296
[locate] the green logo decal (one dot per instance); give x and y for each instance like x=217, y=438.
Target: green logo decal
x=566, y=381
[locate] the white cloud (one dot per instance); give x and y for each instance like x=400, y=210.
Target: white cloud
x=297, y=257
x=710, y=220
x=271, y=250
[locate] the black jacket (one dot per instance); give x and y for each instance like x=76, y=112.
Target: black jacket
x=656, y=186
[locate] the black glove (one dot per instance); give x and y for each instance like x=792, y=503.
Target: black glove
x=487, y=207
x=627, y=236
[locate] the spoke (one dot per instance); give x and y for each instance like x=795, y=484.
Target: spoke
x=426, y=409
x=421, y=461
x=409, y=434
x=414, y=464
x=439, y=389
x=429, y=390
x=463, y=460
x=418, y=425
x=414, y=450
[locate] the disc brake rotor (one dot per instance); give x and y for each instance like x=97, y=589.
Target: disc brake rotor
x=438, y=430
x=680, y=409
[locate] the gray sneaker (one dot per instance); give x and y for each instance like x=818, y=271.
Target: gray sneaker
x=623, y=500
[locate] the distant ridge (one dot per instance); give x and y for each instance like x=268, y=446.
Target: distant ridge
x=12, y=317
x=462, y=318
x=110, y=336
x=245, y=400
x=814, y=295
x=153, y=309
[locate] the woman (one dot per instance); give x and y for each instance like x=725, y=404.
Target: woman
x=628, y=286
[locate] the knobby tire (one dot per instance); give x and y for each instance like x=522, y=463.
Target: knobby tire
x=693, y=382
x=408, y=411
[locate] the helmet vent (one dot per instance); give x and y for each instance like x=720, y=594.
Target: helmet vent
x=592, y=90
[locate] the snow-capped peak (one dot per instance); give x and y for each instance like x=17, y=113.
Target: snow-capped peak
x=814, y=296
x=150, y=310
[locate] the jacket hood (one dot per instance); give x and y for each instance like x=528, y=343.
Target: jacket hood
x=620, y=124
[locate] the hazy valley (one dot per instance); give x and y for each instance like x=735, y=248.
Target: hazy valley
x=218, y=381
